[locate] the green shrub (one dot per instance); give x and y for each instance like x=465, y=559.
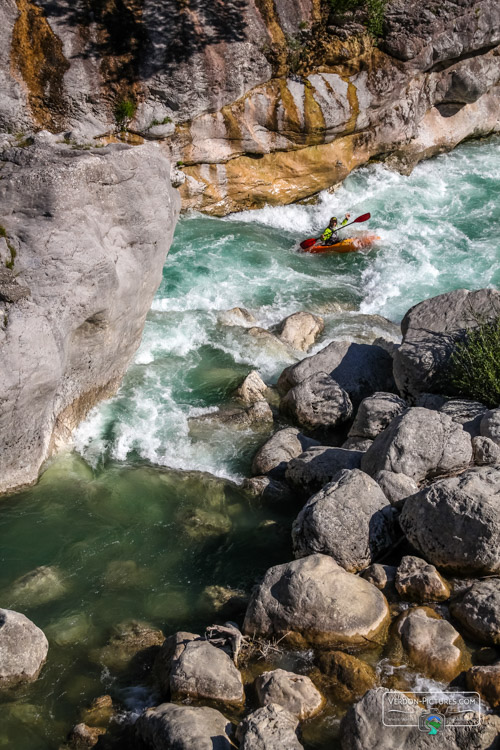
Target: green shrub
x=374, y=8
x=473, y=370
x=125, y=111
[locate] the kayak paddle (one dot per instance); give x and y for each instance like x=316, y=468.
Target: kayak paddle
x=309, y=243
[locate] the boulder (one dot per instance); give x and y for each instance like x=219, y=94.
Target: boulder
x=295, y=692
x=381, y=576
x=184, y=728
x=23, y=648
x=252, y=389
x=301, y=330
x=40, y=586
x=486, y=452
x=418, y=581
x=357, y=444
x=430, y=330
x=188, y=666
x=362, y=728
x=478, y=611
x=359, y=369
x=82, y=736
x=349, y=519
x=258, y=413
x=486, y=682
x=267, y=490
x=467, y=413
x=433, y=645
x=269, y=728
x=375, y=413
x=396, y=487
x=317, y=403
x=317, y=466
x=237, y=316
x=490, y=425
x=314, y=601
x=419, y=443
x=346, y=676
x=455, y=522
x=272, y=458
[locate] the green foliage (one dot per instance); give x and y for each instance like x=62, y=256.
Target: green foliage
x=180, y=163
x=473, y=370
x=124, y=112
x=374, y=8
x=303, y=25
x=165, y=121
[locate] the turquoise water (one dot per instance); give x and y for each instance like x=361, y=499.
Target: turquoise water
x=133, y=522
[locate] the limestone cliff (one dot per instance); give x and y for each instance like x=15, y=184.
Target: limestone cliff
x=256, y=100
x=83, y=239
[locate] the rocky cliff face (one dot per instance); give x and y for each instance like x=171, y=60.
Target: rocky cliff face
x=83, y=240
x=257, y=101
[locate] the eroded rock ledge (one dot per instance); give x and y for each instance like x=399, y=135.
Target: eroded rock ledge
x=87, y=234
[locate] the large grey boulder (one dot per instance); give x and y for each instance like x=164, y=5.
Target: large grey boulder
x=362, y=728
x=317, y=466
x=420, y=443
x=490, y=425
x=171, y=726
x=317, y=403
x=272, y=458
x=269, y=728
x=295, y=692
x=455, y=522
x=23, y=648
x=301, y=330
x=315, y=601
x=430, y=330
x=360, y=369
x=90, y=241
x=349, y=519
x=375, y=413
x=433, y=645
x=478, y=611
x=191, y=667
x=396, y=487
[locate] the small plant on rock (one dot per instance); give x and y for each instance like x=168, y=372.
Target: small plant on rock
x=124, y=112
x=473, y=369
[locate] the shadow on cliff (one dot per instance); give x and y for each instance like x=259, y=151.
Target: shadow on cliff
x=135, y=39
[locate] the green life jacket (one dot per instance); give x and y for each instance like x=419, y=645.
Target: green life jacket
x=327, y=233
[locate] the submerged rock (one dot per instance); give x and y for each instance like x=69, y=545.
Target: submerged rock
x=184, y=728
x=349, y=519
x=133, y=644
x=272, y=458
x=200, y=524
x=317, y=403
x=39, y=586
x=269, y=728
x=318, y=465
x=478, y=611
x=23, y=649
x=314, y=601
x=295, y=692
x=455, y=522
x=301, y=330
x=253, y=415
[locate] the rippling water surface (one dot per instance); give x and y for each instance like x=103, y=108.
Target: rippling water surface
x=131, y=526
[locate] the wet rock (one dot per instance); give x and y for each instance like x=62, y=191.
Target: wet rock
x=133, y=644
x=317, y=403
x=455, y=523
x=362, y=728
x=359, y=369
x=184, y=727
x=125, y=574
x=433, y=645
x=252, y=389
x=357, y=444
x=237, y=316
x=74, y=628
x=258, y=413
x=478, y=611
x=269, y=728
x=83, y=736
x=346, y=676
x=23, y=649
x=296, y=693
x=486, y=452
x=396, y=487
x=349, y=519
x=418, y=581
x=274, y=345
x=39, y=586
x=430, y=330
x=490, y=425
x=420, y=443
x=272, y=458
x=191, y=667
x=381, y=576
x=467, y=413
x=200, y=524
x=315, y=601
x=486, y=682
x=375, y=413
x=268, y=490
x=301, y=330
x=317, y=466
x=100, y=712
x=231, y=603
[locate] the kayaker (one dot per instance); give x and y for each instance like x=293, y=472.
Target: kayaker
x=330, y=235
